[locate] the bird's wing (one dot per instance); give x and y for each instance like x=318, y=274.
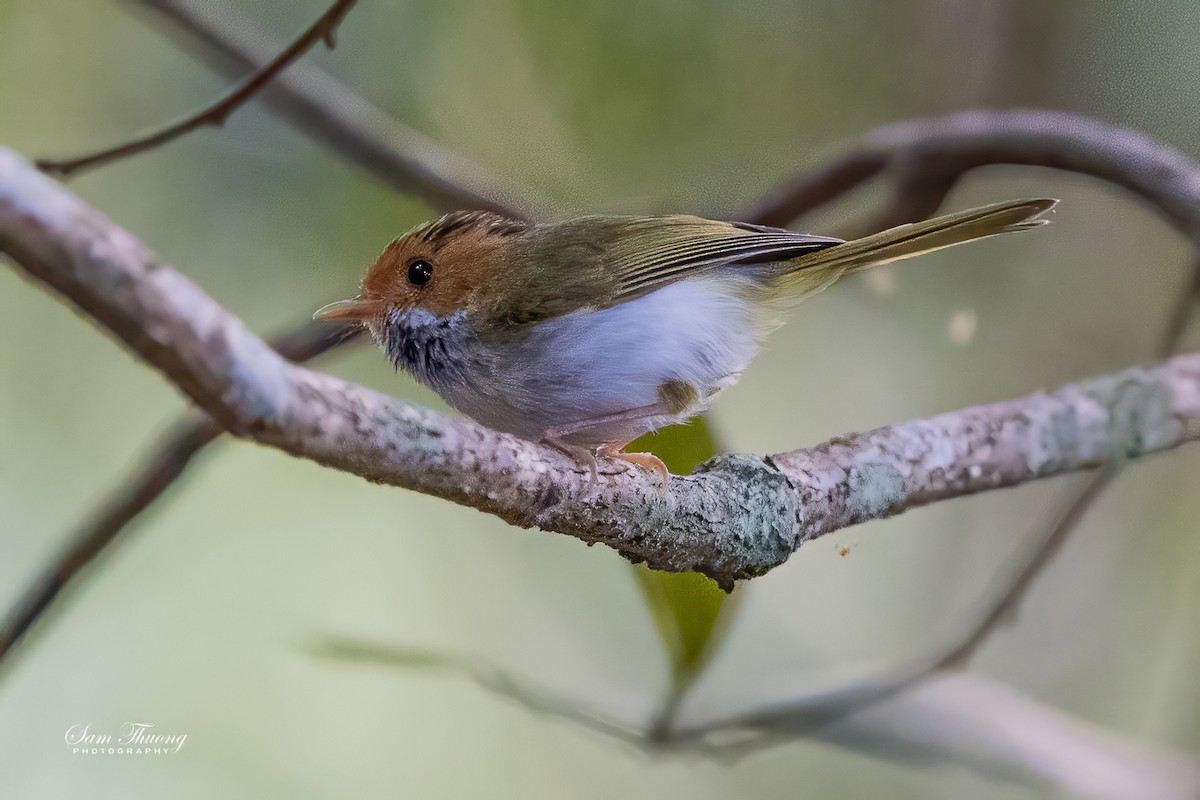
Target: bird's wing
x=600, y=262
x=650, y=253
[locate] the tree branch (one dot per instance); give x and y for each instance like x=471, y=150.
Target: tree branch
x=216, y=113
x=921, y=184
x=737, y=517
x=333, y=114
x=957, y=143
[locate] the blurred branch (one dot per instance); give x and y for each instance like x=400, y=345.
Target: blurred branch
x=215, y=114
x=952, y=145
x=1187, y=304
x=331, y=113
x=479, y=671
x=959, y=719
x=737, y=517
x=1015, y=582
x=967, y=720
x=170, y=457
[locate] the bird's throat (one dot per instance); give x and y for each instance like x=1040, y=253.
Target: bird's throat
x=433, y=348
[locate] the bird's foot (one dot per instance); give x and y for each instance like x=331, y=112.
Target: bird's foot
x=582, y=456
x=645, y=461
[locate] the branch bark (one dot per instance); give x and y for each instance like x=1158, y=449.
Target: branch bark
x=736, y=517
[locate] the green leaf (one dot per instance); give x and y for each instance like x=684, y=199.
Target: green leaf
x=688, y=608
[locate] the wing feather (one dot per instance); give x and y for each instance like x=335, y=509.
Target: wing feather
x=598, y=262
x=654, y=252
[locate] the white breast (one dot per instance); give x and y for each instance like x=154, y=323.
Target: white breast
x=592, y=364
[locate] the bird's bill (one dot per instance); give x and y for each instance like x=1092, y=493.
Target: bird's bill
x=347, y=311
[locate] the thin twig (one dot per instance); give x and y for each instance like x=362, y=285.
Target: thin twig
x=483, y=673
x=170, y=457
x=1027, y=568
x=216, y=113
x=333, y=114
x=1177, y=321
x=929, y=720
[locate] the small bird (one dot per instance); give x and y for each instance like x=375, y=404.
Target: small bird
x=587, y=333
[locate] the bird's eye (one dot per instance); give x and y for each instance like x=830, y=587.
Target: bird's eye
x=419, y=272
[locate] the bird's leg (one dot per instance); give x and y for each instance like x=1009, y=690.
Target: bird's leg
x=582, y=456
x=582, y=426
x=676, y=399
x=555, y=437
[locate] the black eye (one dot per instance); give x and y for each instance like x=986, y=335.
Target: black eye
x=419, y=272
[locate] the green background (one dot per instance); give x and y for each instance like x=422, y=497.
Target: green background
x=200, y=620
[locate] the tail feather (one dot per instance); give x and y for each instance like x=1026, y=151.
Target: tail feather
x=814, y=271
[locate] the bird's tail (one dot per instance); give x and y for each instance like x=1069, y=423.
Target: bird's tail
x=814, y=271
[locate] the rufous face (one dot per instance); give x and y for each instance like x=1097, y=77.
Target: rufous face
x=437, y=266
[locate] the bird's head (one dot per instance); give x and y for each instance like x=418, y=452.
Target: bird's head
x=438, y=267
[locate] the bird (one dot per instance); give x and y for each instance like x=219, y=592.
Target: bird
x=586, y=333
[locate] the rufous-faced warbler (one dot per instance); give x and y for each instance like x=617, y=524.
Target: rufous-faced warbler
x=587, y=333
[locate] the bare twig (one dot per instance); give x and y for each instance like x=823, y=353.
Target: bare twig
x=216, y=113
x=1027, y=568
x=334, y=115
x=962, y=719
x=737, y=517
x=171, y=456
x=485, y=674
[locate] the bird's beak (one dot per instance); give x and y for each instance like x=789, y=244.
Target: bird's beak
x=347, y=311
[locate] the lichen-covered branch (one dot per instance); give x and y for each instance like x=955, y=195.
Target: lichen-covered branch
x=737, y=517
